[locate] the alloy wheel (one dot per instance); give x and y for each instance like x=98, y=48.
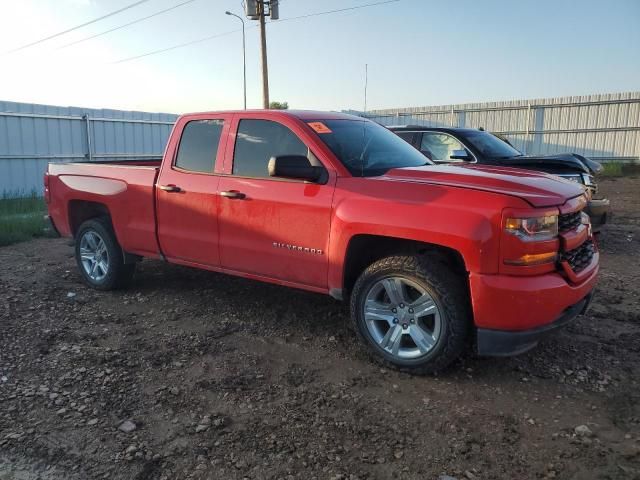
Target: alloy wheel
x=94, y=255
x=402, y=318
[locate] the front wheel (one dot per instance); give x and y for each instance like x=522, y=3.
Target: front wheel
x=99, y=256
x=412, y=312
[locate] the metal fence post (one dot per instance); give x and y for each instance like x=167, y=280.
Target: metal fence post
x=637, y=159
x=88, y=132
x=528, y=128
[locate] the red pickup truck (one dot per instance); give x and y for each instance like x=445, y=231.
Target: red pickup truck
x=432, y=258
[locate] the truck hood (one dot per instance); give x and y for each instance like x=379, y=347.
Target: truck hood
x=537, y=188
x=559, y=163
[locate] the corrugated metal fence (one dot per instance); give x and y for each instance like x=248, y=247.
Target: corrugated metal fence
x=604, y=127
x=33, y=135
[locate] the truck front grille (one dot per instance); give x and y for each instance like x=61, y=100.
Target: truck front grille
x=569, y=221
x=580, y=257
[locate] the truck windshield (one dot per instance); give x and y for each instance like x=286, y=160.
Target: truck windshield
x=366, y=148
x=490, y=145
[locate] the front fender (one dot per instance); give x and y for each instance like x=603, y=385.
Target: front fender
x=467, y=221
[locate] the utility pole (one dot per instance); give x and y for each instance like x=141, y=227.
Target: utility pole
x=263, y=56
x=257, y=10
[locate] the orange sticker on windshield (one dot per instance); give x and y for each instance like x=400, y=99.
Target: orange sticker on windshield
x=319, y=127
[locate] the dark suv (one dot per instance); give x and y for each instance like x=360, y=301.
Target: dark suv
x=468, y=145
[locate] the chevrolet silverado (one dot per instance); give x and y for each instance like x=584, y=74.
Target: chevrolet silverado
x=433, y=259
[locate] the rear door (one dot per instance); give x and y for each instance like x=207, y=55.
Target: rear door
x=409, y=137
x=186, y=192
x=273, y=227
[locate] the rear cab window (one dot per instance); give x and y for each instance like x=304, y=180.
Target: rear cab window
x=198, y=146
x=408, y=137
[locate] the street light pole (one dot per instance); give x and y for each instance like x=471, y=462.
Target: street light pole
x=244, y=57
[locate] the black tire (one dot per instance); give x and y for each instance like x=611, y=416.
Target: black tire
x=447, y=289
x=119, y=274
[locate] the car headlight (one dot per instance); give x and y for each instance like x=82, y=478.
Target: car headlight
x=533, y=229
x=586, y=220
x=588, y=180
x=573, y=178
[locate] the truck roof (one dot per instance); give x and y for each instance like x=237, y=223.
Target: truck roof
x=420, y=128
x=301, y=114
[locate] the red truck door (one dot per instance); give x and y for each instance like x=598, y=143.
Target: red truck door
x=272, y=227
x=186, y=191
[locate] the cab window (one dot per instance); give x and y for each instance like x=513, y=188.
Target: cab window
x=439, y=146
x=408, y=137
x=199, y=146
x=259, y=140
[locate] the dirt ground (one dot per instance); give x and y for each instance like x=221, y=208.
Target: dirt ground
x=224, y=378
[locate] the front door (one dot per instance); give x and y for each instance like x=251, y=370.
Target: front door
x=186, y=193
x=272, y=227
x=439, y=146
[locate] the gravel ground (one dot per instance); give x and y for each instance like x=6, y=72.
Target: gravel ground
x=191, y=374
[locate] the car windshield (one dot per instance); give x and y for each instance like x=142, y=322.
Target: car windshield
x=366, y=148
x=491, y=146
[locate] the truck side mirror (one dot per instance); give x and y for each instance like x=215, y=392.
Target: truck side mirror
x=294, y=166
x=460, y=155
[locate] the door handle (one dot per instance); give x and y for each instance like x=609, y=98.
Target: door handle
x=233, y=194
x=170, y=188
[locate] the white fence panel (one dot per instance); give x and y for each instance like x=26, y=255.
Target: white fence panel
x=604, y=127
x=32, y=135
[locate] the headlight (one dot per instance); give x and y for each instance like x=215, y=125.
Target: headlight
x=588, y=180
x=573, y=178
x=586, y=220
x=533, y=229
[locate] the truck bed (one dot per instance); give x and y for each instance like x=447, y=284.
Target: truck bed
x=125, y=189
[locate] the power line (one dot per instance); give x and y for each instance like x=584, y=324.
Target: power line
x=356, y=7
x=78, y=26
x=177, y=46
x=126, y=24
x=234, y=31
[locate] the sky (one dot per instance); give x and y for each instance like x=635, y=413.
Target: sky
x=418, y=52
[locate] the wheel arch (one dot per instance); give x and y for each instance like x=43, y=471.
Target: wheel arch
x=80, y=211
x=365, y=249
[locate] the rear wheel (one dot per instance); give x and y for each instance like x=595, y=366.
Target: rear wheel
x=412, y=312
x=100, y=257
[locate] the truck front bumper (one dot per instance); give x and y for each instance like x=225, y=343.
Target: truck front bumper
x=512, y=313
x=500, y=343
